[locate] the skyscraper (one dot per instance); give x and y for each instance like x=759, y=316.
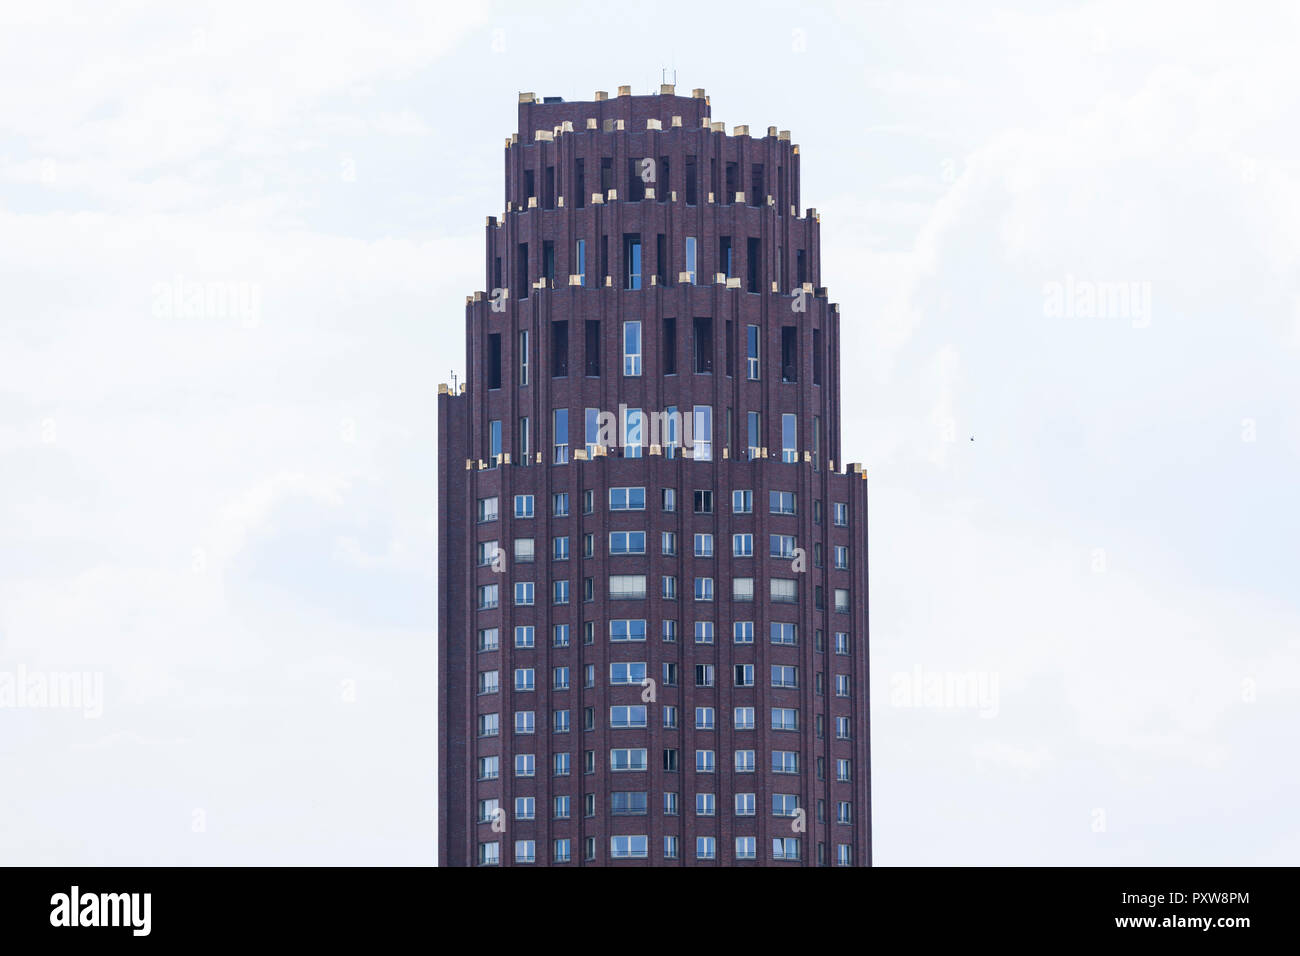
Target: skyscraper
x=652, y=559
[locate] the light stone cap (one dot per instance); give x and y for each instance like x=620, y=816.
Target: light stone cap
x=625, y=91
x=719, y=277
x=580, y=454
x=771, y=131
x=532, y=202
x=527, y=98
x=609, y=282
x=683, y=277
x=654, y=124
x=667, y=89
x=740, y=198
x=784, y=134
x=591, y=122
x=705, y=122
x=649, y=192
x=697, y=94
x=677, y=121
x=442, y=388
x=601, y=95
x=575, y=280
x=597, y=199
x=740, y=131
x=718, y=127
x=543, y=136
x=733, y=282
x=613, y=195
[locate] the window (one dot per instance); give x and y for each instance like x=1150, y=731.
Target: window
x=780, y=545
x=841, y=557
x=523, y=506
x=743, y=718
x=843, y=854
x=633, y=432
x=627, y=499
x=742, y=502
x=706, y=805
x=742, y=632
x=785, y=848
x=588, y=501
x=488, y=682
x=668, y=498
x=745, y=761
x=492, y=357
x=843, y=685
x=842, y=604
x=670, y=631
x=754, y=435
x=588, y=545
x=742, y=589
x=560, y=678
x=524, y=679
x=560, y=548
x=704, y=675
x=560, y=440
x=487, y=597
x=486, y=552
x=580, y=257
x=629, y=847
x=560, y=505
x=751, y=352
x=781, y=502
x=627, y=630
x=560, y=722
x=670, y=587
x=742, y=545
x=632, y=348
x=670, y=804
x=784, y=675
x=560, y=592
x=523, y=358
x=704, y=589
x=703, y=345
x=843, y=770
x=525, y=550
x=785, y=718
x=628, y=803
x=706, y=848
x=705, y=761
x=692, y=182
x=627, y=673
x=627, y=542
x=489, y=768
x=690, y=257
x=626, y=586
x=489, y=854
x=524, y=591
x=746, y=805
x=591, y=421
x=842, y=643
x=789, y=354
x=494, y=443
x=487, y=810
x=704, y=502
x=753, y=262
x=621, y=718
x=744, y=675
x=784, y=591
x=705, y=718
x=724, y=255
x=489, y=725
x=702, y=435
x=784, y=633
x=784, y=804
x=627, y=759
x=525, y=765
x=562, y=852
x=703, y=632
x=843, y=728
x=704, y=545
x=632, y=257
x=670, y=674
x=785, y=761
x=789, y=439
x=668, y=543
x=670, y=760
x=489, y=639
x=525, y=635
x=591, y=348
x=840, y=514
x=487, y=509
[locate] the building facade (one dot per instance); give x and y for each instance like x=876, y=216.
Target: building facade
x=653, y=644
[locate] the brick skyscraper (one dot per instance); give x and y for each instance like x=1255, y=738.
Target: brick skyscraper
x=652, y=603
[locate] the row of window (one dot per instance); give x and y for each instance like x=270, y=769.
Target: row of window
x=636, y=716
x=635, y=760
x=634, y=673
x=635, y=803
x=634, y=542
x=634, y=630
x=635, y=847
x=633, y=498
x=629, y=587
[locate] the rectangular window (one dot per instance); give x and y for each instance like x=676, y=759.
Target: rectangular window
x=580, y=261
x=789, y=439
x=627, y=499
x=690, y=259
x=742, y=589
x=781, y=502
x=724, y=256
x=703, y=345
x=560, y=547
x=521, y=271
x=632, y=259
x=743, y=718
x=751, y=352
x=560, y=437
x=523, y=506
x=634, y=430
x=784, y=632
x=591, y=423
x=784, y=591
x=742, y=545
x=627, y=542
x=492, y=360
x=669, y=356
x=817, y=356
x=742, y=632
x=703, y=502
x=702, y=434
x=754, y=434
x=494, y=443
x=627, y=630
x=626, y=586
x=591, y=347
x=753, y=265
x=692, y=182
x=789, y=353
x=487, y=509
x=704, y=545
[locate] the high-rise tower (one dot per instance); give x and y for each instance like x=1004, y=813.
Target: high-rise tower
x=652, y=559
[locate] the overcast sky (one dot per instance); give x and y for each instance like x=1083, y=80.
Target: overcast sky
x=1065, y=243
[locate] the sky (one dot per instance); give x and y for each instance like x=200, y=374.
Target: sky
x=235, y=241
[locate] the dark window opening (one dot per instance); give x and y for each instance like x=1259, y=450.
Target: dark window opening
x=752, y=262
x=632, y=261
x=548, y=261
x=604, y=260
x=756, y=185
x=662, y=180
x=496, y=273
x=493, y=360
x=801, y=268
x=606, y=174
x=789, y=354
x=692, y=194
x=817, y=356
x=724, y=255
x=731, y=355
x=733, y=183
x=780, y=191
x=580, y=183
x=670, y=346
x=635, y=184
x=521, y=271
x=703, y=345
x=548, y=188
x=661, y=258
x=560, y=348
x=530, y=187
x=591, y=348
x=713, y=178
